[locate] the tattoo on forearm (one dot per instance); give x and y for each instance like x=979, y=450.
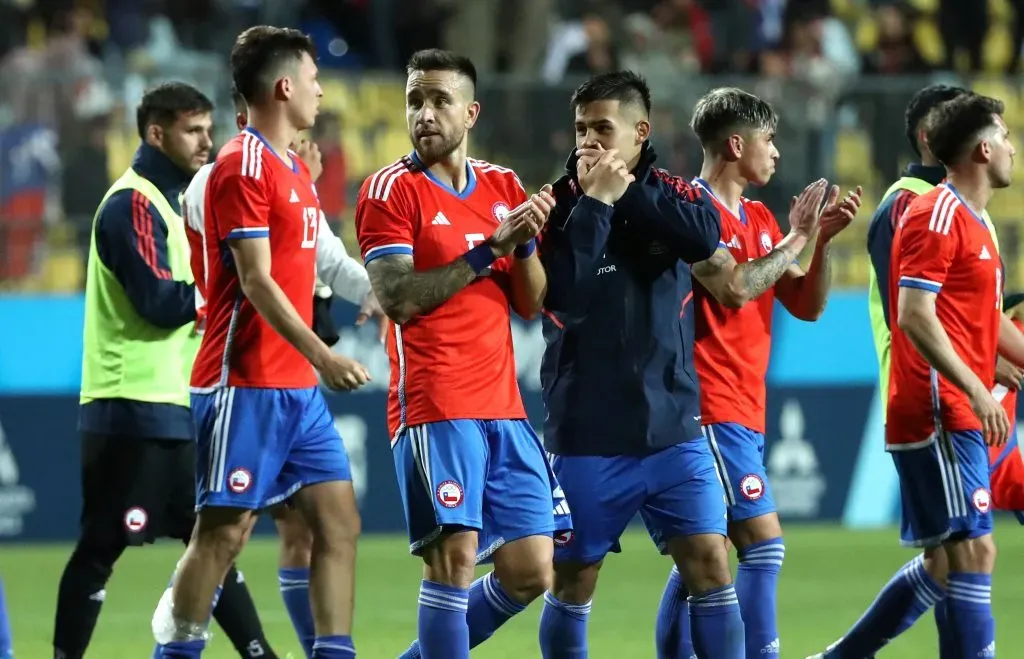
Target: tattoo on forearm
x=712, y=266
x=761, y=274
x=404, y=293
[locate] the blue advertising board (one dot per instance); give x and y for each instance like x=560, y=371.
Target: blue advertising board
x=824, y=454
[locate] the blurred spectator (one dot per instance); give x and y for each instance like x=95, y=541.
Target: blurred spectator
x=734, y=25
x=332, y=186
x=688, y=23
x=963, y=25
x=804, y=78
x=86, y=167
x=500, y=36
x=648, y=51
x=600, y=54
x=895, y=52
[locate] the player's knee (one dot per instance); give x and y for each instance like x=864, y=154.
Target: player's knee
x=523, y=567
x=703, y=561
x=755, y=531
x=220, y=534
x=297, y=548
x=296, y=539
x=972, y=555
x=451, y=559
x=527, y=583
x=575, y=583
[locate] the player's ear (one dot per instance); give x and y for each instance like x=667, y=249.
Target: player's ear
x=983, y=152
x=283, y=88
x=154, y=134
x=643, y=131
x=241, y=120
x=734, y=147
x=472, y=114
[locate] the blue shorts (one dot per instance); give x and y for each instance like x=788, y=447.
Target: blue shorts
x=677, y=492
x=257, y=447
x=491, y=476
x=739, y=454
x=944, y=490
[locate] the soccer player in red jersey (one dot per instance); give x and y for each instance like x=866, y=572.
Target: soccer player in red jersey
x=734, y=297
x=264, y=432
x=965, y=131
x=448, y=242
x=945, y=292
x=347, y=278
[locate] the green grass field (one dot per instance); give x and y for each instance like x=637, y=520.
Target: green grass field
x=829, y=576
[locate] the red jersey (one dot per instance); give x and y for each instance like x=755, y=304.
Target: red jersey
x=942, y=246
x=732, y=345
x=455, y=362
x=1008, y=399
x=252, y=193
x=193, y=211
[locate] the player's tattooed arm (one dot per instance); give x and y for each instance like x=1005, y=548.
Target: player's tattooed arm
x=735, y=284
x=404, y=293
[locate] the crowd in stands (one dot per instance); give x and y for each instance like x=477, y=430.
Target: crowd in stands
x=72, y=70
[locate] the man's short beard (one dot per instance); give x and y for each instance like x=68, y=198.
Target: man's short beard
x=435, y=155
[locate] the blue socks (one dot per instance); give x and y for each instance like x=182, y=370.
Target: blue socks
x=969, y=602
x=907, y=596
x=333, y=647
x=182, y=650
x=294, y=585
x=716, y=624
x=443, y=630
x=563, y=629
x=757, y=581
x=6, y=642
x=947, y=639
x=490, y=607
x=672, y=628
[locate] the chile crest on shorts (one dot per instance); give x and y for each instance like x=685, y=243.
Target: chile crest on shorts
x=752, y=487
x=239, y=480
x=449, y=494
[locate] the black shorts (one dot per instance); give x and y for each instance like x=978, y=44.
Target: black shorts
x=141, y=488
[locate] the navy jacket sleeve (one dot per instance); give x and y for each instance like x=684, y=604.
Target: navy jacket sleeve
x=671, y=211
x=131, y=240
x=574, y=243
x=880, y=235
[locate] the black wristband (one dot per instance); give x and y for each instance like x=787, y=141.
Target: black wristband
x=480, y=258
x=526, y=249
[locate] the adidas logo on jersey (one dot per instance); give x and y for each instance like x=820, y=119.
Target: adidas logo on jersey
x=989, y=651
x=441, y=220
x=294, y=198
x=985, y=256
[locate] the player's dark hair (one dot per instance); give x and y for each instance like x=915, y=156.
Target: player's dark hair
x=727, y=110
x=259, y=55
x=164, y=103
x=954, y=126
x=922, y=104
x=622, y=86
x=435, y=59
